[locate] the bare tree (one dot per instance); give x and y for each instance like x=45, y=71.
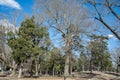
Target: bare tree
x=106, y=12
x=69, y=18
x=14, y=18
x=2, y=42
x=10, y=25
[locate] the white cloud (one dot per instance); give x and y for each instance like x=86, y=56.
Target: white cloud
x=10, y=3
x=112, y=36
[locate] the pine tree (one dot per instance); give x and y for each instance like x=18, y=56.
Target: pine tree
x=25, y=44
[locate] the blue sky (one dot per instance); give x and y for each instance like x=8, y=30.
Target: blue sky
x=25, y=7
x=21, y=5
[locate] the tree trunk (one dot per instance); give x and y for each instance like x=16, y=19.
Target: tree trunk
x=13, y=71
x=31, y=69
x=70, y=64
x=70, y=69
x=46, y=72
x=83, y=68
x=3, y=67
x=14, y=68
x=117, y=70
x=67, y=56
x=98, y=68
x=2, y=70
x=101, y=69
x=90, y=68
x=39, y=69
x=66, y=68
x=53, y=71
x=36, y=68
x=20, y=72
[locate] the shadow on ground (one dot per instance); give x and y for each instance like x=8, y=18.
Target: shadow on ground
x=88, y=75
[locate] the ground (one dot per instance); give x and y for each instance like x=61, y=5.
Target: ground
x=44, y=78
x=81, y=76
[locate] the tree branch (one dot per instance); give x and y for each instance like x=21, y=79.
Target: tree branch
x=104, y=23
x=57, y=29
x=107, y=26
x=112, y=11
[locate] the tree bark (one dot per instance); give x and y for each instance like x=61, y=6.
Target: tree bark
x=101, y=66
x=14, y=68
x=117, y=70
x=83, y=68
x=53, y=71
x=20, y=72
x=39, y=69
x=90, y=68
x=2, y=70
x=70, y=63
x=31, y=69
x=66, y=69
x=70, y=69
x=36, y=68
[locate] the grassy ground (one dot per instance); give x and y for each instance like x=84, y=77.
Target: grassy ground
x=82, y=76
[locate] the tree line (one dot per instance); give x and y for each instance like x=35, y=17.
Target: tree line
x=33, y=52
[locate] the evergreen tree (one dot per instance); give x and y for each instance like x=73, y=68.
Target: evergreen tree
x=25, y=44
x=99, y=52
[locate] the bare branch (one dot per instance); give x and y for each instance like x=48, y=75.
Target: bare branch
x=103, y=22
x=112, y=11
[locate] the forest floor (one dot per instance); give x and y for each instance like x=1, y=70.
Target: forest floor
x=81, y=76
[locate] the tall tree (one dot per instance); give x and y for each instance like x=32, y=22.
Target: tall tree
x=83, y=61
x=25, y=44
x=57, y=61
x=98, y=49
x=68, y=18
x=9, y=21
x=21, y=51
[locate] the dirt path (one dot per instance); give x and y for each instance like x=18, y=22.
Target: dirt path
x=102, y=76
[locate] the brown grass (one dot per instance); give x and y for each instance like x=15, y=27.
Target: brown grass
x=83, y=76
x=42, y=78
